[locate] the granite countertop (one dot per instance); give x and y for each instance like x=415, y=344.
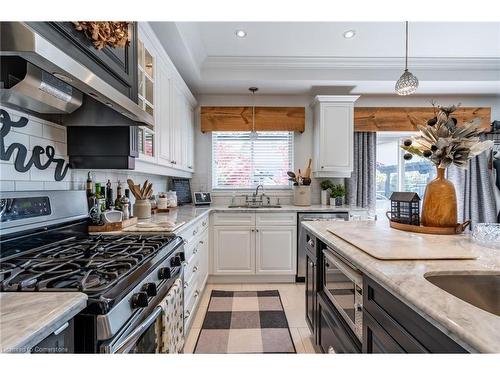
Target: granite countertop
x=473, y=328
x=27, y=318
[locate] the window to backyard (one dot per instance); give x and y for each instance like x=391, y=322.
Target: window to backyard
x=243, y=160
x=396, y=174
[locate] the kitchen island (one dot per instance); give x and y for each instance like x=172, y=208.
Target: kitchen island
x=27, y=318
x=474, y=329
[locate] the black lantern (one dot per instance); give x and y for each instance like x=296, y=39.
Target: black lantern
x=405, y=208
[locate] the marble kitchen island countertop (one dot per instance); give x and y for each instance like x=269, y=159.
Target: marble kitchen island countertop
x=27, y=318
x=473, y=328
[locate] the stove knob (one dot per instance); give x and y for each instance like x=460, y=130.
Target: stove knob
x=175, y=261
x=150, y=289
x=164, y=273
x=182, y=256
x=140, y=299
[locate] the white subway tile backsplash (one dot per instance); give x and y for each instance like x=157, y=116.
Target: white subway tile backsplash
x=29, y=185
x=7, y=185
x=60, y=147
x=54, y=133
x=56, y=185
x=38, y=132
x=15, y=137
x=8, y=172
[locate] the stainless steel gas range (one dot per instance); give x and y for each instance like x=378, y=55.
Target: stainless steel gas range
x=45, y=247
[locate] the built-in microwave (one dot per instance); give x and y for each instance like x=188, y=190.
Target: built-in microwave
x=343, y=285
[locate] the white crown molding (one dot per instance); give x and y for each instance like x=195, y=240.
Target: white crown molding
x=415, y=63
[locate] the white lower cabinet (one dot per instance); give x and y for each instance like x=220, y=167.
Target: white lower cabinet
x=276, y=250
x=265, y=245
x=234, y=250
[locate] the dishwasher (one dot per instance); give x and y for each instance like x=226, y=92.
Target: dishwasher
x=301, y=240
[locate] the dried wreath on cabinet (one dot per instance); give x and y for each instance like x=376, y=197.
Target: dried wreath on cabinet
x=106, y=33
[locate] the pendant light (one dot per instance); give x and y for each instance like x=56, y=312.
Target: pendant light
x=407, y=84
x=253, y=90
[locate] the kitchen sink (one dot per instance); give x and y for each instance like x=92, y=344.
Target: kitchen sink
x=254, y=206
x=480, y=290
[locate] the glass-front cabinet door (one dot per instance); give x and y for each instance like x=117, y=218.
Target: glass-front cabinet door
x=146, y=99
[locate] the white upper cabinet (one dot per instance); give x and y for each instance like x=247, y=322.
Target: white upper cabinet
x=333, y=135
x=163, y=93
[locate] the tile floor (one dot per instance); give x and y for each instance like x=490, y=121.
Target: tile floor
x=292, y=296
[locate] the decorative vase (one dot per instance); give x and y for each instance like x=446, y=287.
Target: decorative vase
x=339, y=201
x=324, y=197
x=439, y=208
x=142, y=209
x=302, y=195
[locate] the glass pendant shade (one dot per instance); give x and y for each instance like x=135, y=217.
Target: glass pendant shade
x=407, y=84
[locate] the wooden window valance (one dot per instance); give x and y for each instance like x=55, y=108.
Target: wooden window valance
x=240, y=119
x=375, y=119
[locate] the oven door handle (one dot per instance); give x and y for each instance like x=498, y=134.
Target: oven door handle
x=344, y=268
x=130, y=340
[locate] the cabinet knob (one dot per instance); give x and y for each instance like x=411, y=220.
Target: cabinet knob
x=331, y=350
x=186, y=315
x=195, y=268
x=322, y=167
x=186, y=284
x=310, y=242
x=195, y=250
x=311, y=263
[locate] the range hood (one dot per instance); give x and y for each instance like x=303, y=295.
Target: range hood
x=58, y=87
x=27, y=86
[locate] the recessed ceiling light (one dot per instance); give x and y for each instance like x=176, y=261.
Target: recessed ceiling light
x=241, y=33
x=349, y=34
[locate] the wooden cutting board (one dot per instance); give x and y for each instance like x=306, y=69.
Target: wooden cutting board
x=159, y=227
x=380, y=241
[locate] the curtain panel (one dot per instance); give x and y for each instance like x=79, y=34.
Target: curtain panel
x=361, y=186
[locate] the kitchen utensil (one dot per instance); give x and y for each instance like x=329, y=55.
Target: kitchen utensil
x=307, y=173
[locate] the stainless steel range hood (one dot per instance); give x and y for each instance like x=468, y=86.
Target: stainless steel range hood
x=17, y=39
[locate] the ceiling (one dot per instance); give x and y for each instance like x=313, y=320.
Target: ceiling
x=314, y=57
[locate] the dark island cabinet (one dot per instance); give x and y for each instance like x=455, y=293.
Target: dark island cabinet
x=115, y=65
x=311, y=281
x=391, y=326
x=334, y=336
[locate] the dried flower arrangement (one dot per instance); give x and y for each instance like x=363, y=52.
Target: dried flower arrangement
x=443, y=142
x=106, y=33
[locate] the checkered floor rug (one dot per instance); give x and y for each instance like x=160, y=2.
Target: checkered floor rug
x=245, y=322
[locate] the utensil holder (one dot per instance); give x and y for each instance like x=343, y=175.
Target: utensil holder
x=142, y=209
x=302, y=195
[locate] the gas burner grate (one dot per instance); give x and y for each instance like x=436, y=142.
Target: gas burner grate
x=90, y=265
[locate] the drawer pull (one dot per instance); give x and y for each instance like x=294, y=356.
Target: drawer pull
x=186, y=315
x=201, y=242
x=310, y=242
x=195, y=250
x=61, y=328
x=195, y=268
x=195, y=232
x=331, y=350
x=196, y=294
x=186, y=284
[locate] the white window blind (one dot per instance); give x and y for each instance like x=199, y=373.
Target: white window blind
x=244, y=160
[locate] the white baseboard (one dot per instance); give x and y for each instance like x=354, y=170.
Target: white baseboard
x=250, y=279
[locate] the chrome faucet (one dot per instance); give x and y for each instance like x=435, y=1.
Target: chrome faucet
x=257, y=190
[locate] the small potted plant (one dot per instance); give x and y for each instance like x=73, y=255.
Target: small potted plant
x=337, y=194
x=325, y=185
